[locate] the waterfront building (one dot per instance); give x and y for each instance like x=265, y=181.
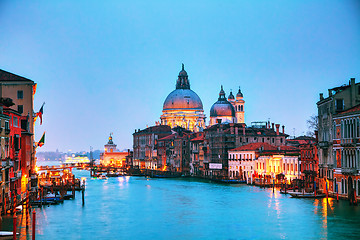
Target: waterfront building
x=256, y=160
x=183, y=107
x=111, y=157
x=197, y=154
x=242, y=162
x=144, y=142
x=222, y=137
x=346, y=147
x=14, y=156
x=5, y=157
x=309, y=162
x=340, y=99
x=173, y=151
x=280, y=164
x=21, y=90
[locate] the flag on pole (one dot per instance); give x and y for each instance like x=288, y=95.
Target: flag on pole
x=42, y=140
x=39, y=114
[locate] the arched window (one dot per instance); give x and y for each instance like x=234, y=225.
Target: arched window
x=342, y=186
x=241, y=108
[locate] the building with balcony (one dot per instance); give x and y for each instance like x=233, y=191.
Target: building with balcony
x=257, y=160
x=346, y=153
x=144, y=145
x=340, y=99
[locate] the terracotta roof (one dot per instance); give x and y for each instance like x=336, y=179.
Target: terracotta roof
x=7, y=76
x=265, y=147
x=172, y=136
x=255, y=146
x=200, y=138
x=155, y=129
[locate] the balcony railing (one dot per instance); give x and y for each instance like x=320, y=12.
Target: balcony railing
x=350, y=171
x=348, y=142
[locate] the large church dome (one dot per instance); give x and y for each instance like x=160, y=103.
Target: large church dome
x=183, y=97
x=222, y=108
x=183, y=107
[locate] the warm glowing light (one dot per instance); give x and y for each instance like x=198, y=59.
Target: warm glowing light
x=36, y=169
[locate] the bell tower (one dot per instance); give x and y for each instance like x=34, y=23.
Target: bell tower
x=239, y=106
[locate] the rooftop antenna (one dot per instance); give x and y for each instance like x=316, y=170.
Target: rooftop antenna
x=294, y=132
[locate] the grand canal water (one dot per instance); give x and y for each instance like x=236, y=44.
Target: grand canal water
x=141, y=208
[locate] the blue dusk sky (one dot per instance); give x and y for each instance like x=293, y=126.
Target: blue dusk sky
x=107, y=66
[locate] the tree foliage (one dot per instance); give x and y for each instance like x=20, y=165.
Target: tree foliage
x=313, y=125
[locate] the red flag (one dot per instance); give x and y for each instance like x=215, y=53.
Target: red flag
x=40, y=113
x=42, y=140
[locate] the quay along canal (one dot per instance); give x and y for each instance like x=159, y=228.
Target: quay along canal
x=186, y=208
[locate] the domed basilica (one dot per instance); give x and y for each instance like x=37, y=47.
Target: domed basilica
x=228, y=111
x=183, y=107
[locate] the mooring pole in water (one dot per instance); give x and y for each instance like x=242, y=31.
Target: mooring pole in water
x=83, y=195
x=273, y=185
x=33, y=225
x=337, y=192
x=14, y=226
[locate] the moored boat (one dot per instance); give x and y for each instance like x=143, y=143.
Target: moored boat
x=305, y=195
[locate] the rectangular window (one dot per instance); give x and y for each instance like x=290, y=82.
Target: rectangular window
x=339, y=104
x=20, y=94
x=20, y=109
x=16, y=122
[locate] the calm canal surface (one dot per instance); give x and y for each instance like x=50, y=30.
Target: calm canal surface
x=141, y=208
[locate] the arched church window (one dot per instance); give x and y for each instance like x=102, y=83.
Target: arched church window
x=241, y=108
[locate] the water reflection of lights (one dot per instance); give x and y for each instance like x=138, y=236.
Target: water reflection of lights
x=274, y=198
x=327, y=207
x=123, y=180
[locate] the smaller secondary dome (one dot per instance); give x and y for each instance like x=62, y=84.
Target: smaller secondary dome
x=239, y=94
x=222, y=108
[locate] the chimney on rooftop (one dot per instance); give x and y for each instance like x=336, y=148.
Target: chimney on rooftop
x=321, y=96
x=272, y=126
x=283, y=129
x=330, y=92
x=277, y=129
x=352, y=81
